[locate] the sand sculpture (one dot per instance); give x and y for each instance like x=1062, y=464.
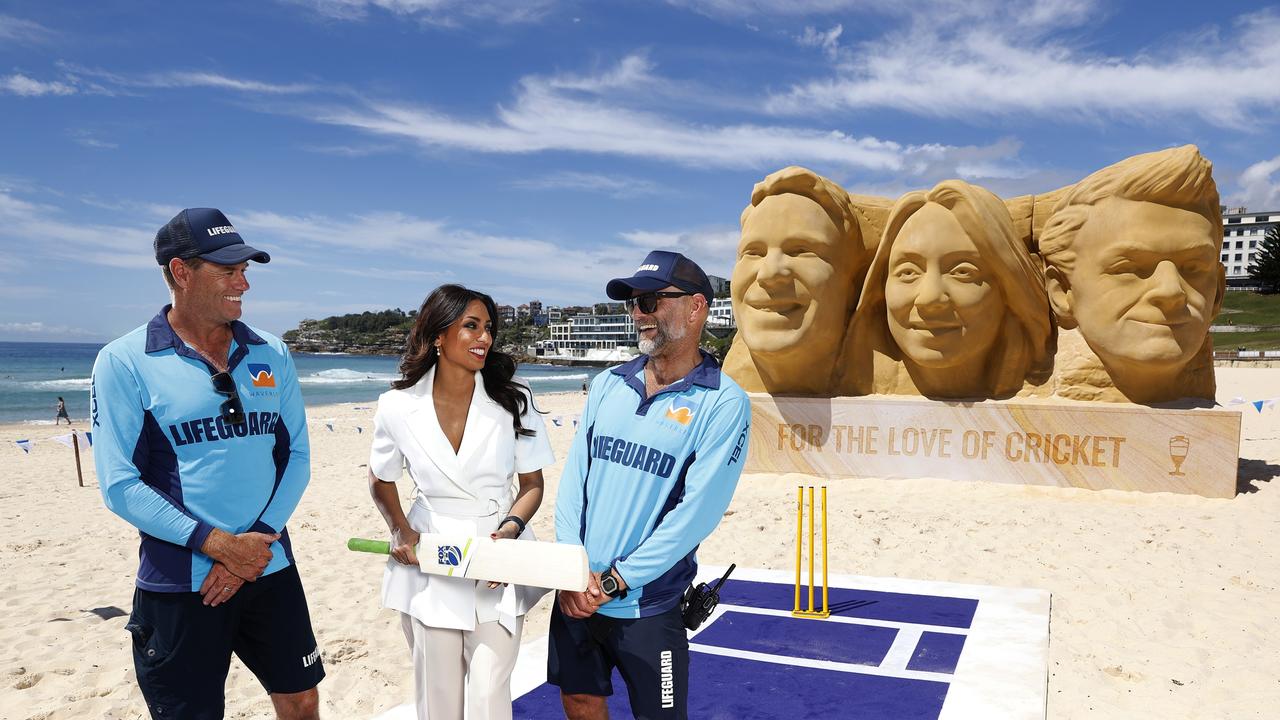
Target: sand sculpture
x=1100, y=291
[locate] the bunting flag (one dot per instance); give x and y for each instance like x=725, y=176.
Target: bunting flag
x=575, y=423
x=359, y=429
x=330, y=426
x=557, y=420
x=25, y=445
x=64, y=439
x=89, y=437
x=1257, y=404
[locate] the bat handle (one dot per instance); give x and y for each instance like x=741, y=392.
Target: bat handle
x=381, y=547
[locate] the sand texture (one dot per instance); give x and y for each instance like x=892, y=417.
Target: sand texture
x=1164, y=606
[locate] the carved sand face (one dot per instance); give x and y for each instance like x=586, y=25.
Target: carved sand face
x=1145, y=284
x=944, y=308
x=792, y=285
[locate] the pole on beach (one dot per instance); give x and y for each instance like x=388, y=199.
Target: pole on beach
x=75, y=445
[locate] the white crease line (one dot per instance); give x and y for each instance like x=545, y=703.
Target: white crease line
x=820, y=664
x=904, y=646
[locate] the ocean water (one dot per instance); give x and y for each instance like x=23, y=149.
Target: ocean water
x=34, y=375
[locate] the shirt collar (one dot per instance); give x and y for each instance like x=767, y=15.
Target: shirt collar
x=160, y=334
x=706, y=373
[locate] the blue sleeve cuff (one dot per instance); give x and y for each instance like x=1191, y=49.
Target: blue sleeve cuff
x=199, y=535
x=259, y=526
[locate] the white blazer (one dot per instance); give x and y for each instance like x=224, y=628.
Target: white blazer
x=466, y=492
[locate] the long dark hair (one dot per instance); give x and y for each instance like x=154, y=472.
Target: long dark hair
x=441, y=309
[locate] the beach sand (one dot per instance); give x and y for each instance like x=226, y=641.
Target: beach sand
x=1163, y=605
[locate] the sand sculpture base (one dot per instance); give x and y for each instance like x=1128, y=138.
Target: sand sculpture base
x=1085, y=445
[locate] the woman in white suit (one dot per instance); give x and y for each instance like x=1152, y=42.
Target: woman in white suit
x=462, y=426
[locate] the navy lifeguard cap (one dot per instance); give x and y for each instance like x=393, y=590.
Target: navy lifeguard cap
x=207, y=234
x=660, y=269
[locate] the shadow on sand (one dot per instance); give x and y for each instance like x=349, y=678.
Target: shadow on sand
x=1250, y=472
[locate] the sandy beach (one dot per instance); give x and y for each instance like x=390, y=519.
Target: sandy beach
x=1163, y=605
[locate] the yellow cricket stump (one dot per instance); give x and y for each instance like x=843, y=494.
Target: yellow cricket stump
x=811, y=612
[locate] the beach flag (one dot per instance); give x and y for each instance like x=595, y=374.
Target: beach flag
x=64, y=439
x=25, y=445
x=330, y=426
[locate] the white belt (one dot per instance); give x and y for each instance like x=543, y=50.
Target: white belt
x=466, y=507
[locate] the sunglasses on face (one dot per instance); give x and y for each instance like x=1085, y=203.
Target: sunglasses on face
x=232, y=409
x=648, y=302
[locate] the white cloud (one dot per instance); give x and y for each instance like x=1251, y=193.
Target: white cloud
x=44, y=229
x=615, y=186
x=632, y=73
x=828, y=41
x=983, y=64
x=350, y=151
x=712, y=248
x=215, y=80
x=88, y=139
x=736, y=9
x=18, y=30
x=1034, y=13
x=428, y=251
x=435, y=12
x=1259, y=186
x=182, y=79
x=546, y=117
x=43, y=330
x=19, y=84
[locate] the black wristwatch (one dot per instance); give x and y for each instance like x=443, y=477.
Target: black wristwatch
x=609, y=585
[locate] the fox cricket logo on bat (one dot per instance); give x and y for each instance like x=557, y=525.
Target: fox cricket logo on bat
x=450, y=555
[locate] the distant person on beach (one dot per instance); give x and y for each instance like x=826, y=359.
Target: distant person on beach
x=201, y=443
x=62, y=413
x=652, y=469
x=463, y=427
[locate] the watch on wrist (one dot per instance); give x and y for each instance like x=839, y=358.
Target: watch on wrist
x=609, y=585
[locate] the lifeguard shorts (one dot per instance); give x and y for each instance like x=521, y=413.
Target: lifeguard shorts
x=182, y=648
x=650, y=653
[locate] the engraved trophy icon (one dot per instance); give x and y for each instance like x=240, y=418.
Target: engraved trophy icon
x=1179, y=446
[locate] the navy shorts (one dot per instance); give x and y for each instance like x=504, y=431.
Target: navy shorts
x=182, y=648
x=650, y=653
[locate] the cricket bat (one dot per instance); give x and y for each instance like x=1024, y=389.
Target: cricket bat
x=519, y=562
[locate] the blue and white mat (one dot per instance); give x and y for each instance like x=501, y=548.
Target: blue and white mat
x=892, y=649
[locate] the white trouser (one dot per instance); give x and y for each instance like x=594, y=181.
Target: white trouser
x=449, y=665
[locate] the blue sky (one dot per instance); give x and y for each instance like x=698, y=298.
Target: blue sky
x=534, y=149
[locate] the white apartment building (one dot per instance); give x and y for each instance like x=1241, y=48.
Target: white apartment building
x=721, y=314
x=1242, y=234
x=590, y=337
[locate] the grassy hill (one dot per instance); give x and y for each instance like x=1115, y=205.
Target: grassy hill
x=1247, y=308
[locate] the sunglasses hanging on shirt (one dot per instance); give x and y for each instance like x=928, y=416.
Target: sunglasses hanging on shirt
x=232, y=410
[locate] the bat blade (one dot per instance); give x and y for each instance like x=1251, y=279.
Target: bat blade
x=519, y=562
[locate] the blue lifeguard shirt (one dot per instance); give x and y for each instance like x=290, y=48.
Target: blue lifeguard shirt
x=648, y=478
x=170, y=466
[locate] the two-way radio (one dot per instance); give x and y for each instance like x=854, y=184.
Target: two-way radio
x=700, y=601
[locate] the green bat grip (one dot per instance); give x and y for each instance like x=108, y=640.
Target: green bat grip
x=370, y=546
